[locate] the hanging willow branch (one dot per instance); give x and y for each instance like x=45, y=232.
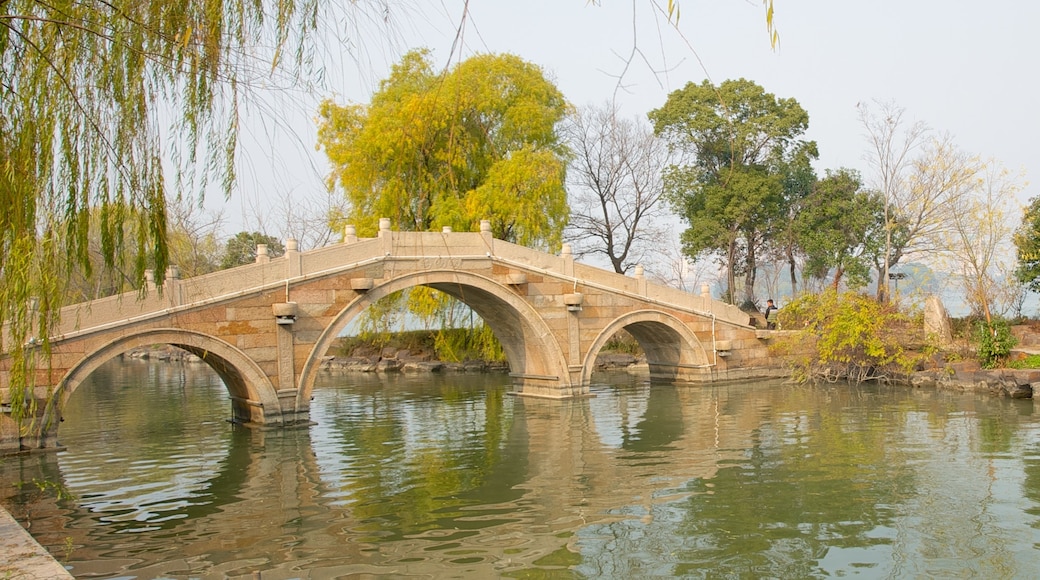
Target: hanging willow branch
x=99, y=101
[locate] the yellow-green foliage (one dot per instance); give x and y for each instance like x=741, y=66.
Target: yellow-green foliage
x=453, y=147
x=846, y=336
x=459, y=344
x=99, y=101
x=1030, y=362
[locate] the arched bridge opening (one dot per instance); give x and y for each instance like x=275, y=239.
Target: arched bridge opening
x=536, y=364
x=673, y=352
x=253, y=398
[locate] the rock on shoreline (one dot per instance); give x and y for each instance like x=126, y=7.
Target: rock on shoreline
x=968, y=377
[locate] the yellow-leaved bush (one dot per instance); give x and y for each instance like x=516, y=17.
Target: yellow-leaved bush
x=847, y=336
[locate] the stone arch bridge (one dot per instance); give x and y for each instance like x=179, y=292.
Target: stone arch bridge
x=265, y=327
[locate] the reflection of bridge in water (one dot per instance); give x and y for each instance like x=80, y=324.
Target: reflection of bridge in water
x=559, y=469
x=265, y=327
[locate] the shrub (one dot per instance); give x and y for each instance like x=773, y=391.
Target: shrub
x=459, y=344
x=847, y=336
x=993, y=342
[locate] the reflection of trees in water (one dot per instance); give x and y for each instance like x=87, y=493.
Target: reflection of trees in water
x=841, y=481
x=1031, y=484
x=148, y=449
x=411, y=458
x=176, y=460
x=799, y=484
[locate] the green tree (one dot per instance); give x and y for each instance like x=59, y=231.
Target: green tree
x=797, y=181
x=432, y=149
x=732, y=140
x=241, y=248
x=837, y=225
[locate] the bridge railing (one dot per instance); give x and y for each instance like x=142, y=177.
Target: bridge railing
x=584, y=274
x=180, y=293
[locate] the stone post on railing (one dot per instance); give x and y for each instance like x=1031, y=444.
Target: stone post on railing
x=349, y=234
x=640, y=275
x=706, y=297
x=262, y=257
x=385, y=236
x=568, y=260
x=172, y=285
x=292, y=256
x=485, y=232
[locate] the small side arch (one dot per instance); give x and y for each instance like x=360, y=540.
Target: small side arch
x=253, y=397
x=672, y=350
x=535, y=357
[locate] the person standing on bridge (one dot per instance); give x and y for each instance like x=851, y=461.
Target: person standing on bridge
x=771, y=314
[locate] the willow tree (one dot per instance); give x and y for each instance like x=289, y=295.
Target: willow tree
x=439, y=148
x=450, y=148
x=98, y=102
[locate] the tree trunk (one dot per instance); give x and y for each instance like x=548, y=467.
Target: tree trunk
x=791, y=265
x=731, y=262
x=752, y=270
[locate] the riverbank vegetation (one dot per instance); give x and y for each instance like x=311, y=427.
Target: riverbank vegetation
x=849, y=336
x=444, y=344
x=852, y=336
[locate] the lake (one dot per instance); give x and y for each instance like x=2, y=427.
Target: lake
x=448, y=476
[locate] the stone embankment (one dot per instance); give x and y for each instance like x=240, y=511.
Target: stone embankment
x=969, y=376
x=162, y=353
x=22, y=557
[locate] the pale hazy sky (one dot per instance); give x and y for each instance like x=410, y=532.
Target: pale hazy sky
x=966, y=68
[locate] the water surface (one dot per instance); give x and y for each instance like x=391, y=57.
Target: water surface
x=438, y=476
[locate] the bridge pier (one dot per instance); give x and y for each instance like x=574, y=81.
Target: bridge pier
x=547, y=387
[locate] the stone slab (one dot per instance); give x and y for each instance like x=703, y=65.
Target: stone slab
x=22, y=557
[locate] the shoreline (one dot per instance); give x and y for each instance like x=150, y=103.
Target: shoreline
x=959, y=376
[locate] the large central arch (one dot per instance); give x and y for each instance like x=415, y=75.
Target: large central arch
x=532, y=350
